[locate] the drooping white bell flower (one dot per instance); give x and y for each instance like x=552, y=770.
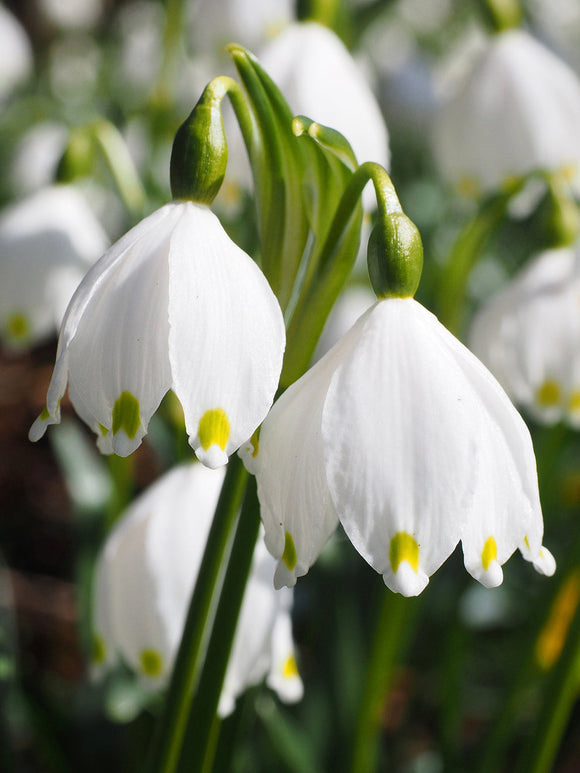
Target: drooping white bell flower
x=47, y=242
x=174, y=304
x=528, y=335
x=403, y=436
x=144, y=579
x=517, y=111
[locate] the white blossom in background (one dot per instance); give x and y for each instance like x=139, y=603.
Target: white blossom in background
x=174, y=304
x=67, y=15
x=403, y=436
x=144, y=579
x=517, y=111
x=15, y=53
x=48, y=241
x=36, y=157
x=320, y=79
x=528, y=335
x=215, y=23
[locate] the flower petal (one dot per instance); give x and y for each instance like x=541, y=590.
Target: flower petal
x=225, y=377
x=400, y=446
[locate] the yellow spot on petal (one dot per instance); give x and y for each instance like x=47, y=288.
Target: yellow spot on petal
x=18, y=326
x=489, y=553
x=549, y=394
x=569, y=172
x=99, y=650
x=290, y=667
x=255, y=441
x=289, y=555
x=126, y=415
x=404, y=547
x=574, y=401
x=527, y=542
x=214, y=427
x=553, y=635
x=44, y=414
x=151, y=663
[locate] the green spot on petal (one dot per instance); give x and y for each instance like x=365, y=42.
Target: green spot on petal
x=99, y=650
x=289, y=555
x=489, y=553
x=404, y=547
x=214, y=427
x=126, y=415
x=104, y=430
x=151, y=663
x=44, y=414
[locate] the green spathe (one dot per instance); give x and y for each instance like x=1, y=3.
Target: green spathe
x=200, y=153
x=395, y=257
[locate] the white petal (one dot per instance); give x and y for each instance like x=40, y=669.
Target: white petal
x=399, y=444
x=283, y=676
x=114, y=336
x=226, y=337
x=295, y=503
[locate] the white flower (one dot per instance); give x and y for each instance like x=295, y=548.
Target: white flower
x=144, y=579
x=518, y=111
x=528, y=335
x=215, y=23
x=47, y=242
x=174, y=304
x=403, y=436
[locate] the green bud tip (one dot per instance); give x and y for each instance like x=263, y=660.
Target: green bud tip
x=395, y=257
x=200, y=153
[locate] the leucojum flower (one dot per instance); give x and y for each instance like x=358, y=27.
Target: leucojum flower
x=48, y=241
x=144, y=579
x=174, y=304
x=517, y=112
x=402, y=435
x=528, y=335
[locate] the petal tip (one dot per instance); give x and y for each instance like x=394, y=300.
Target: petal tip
x=406, y=580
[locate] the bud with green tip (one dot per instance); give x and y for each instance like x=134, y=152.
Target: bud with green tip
x=200, y=153
x=395, y=257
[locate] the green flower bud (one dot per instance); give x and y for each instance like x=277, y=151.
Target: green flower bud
x=395, y=257
x=200, y=153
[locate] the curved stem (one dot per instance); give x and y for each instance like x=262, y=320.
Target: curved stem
x=169, y=737
x=199, y=738
x=119, y=161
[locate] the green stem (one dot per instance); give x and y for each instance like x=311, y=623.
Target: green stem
x=558, y=699
x=464, y=255
x=319, y=293
x=113, y=146
x=199, y=738
x=170, y=733
x=393, y=626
